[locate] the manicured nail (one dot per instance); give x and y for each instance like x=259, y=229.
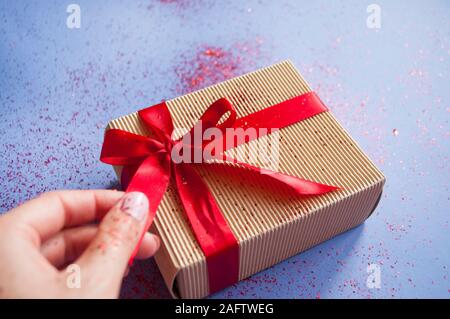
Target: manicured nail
x=135, y=204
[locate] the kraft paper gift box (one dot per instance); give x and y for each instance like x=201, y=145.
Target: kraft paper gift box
x=270, y=223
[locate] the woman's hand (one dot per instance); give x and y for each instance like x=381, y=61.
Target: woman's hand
x=51, y=248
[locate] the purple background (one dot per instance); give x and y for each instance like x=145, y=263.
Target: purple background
x=388, y=87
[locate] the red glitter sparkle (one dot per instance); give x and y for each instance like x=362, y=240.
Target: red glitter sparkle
x=211, y=64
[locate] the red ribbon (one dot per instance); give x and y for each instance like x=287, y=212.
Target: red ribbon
x=148, y=167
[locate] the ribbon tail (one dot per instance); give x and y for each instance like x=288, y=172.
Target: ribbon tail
x=210, y=228
x=151, y=178
x=299, y=185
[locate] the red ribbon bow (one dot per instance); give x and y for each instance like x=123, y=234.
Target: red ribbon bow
x=148, y=166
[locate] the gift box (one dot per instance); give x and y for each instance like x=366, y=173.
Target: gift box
x=223, y=222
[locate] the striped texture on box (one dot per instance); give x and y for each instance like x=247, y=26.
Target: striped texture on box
x=270, y=224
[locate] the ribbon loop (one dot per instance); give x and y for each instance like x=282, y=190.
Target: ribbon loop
x=157, y=118
x=125, y=148
x=212, y=116
x=216, y=111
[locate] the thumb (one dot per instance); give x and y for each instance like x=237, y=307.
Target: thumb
x=105, y=261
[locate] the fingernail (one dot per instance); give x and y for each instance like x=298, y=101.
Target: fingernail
x=135, y=204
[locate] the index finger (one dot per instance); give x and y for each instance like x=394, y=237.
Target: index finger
x=53, y=211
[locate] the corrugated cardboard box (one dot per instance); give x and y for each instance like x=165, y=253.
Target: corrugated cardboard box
x=270, y=224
